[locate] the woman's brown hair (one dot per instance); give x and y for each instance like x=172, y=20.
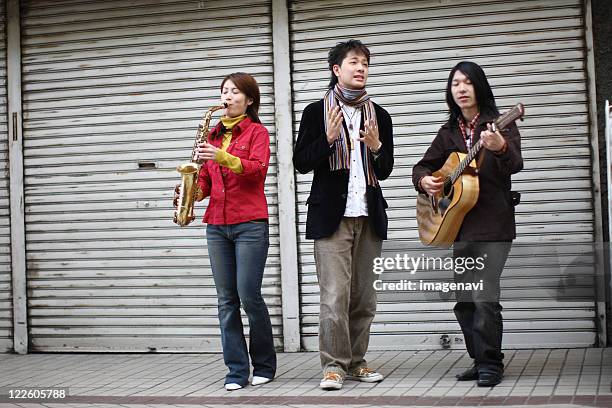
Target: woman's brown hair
x=247, y=85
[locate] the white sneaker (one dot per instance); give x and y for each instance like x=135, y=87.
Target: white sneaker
x=232, y=386
x=331, y=381
x=364, y=374
x=257, y=380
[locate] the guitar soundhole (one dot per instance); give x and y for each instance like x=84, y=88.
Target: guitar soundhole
x=443, y=205
x=445, y=201
x=448, y=188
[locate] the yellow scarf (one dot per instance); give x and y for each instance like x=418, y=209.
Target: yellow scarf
x=223, y=158
x=229, y=123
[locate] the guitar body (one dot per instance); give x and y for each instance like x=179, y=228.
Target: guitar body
x=440, y=218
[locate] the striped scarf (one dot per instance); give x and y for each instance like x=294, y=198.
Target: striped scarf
x=469, y=139
x=341, y=158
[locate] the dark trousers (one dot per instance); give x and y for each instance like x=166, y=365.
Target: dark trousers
x=238, y=257
x=478, y=311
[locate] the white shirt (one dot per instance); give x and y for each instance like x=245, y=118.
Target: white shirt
x=356, y=204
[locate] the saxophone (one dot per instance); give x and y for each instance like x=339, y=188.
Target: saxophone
x=185, y=193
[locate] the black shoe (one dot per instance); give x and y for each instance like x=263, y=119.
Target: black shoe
x=489, y=379
x=468, y=375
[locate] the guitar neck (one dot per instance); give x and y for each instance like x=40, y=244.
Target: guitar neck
x=464, y=163
x=499, y=124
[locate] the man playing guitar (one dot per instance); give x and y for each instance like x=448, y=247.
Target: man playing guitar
x=489, y=227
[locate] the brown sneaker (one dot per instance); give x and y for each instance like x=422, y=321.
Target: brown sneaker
x=331, y=381
x=364, y=374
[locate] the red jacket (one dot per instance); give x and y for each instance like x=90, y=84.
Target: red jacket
x=236, y=198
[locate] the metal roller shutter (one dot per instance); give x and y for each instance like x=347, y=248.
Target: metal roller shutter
x=533, y=52
x=112, y=94
x=6, y=292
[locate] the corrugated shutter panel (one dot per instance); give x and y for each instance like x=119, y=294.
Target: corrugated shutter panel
x=533, y=52
x=113, y=92
x=6, y=291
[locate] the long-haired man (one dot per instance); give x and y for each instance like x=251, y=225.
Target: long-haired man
x=489, y=228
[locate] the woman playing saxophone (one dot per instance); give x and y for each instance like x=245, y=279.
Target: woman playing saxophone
x=236, y=159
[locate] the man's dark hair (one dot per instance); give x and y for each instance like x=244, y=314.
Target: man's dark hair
x=338, y=53
x=482, y=90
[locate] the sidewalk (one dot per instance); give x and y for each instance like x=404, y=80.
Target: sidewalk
x=544, y=377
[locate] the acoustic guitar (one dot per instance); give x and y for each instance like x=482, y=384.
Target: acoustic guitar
x=440, y=217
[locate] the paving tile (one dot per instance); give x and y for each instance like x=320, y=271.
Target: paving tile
x=564, y=390
x=531, y=375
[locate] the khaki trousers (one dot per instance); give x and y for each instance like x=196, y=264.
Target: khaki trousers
x=348, y=298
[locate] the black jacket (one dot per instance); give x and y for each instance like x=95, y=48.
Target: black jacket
x=492, y=218
x=327, y=200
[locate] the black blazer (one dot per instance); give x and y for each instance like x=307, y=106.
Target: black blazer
x=492, y=218
x=327, y=200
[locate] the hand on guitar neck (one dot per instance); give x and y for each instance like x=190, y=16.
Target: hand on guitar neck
x=491, y=140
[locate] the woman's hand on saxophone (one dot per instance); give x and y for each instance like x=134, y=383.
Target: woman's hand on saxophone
x=205, y=151
x=199, y=195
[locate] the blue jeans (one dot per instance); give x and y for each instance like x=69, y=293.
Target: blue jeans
x=238, y=255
